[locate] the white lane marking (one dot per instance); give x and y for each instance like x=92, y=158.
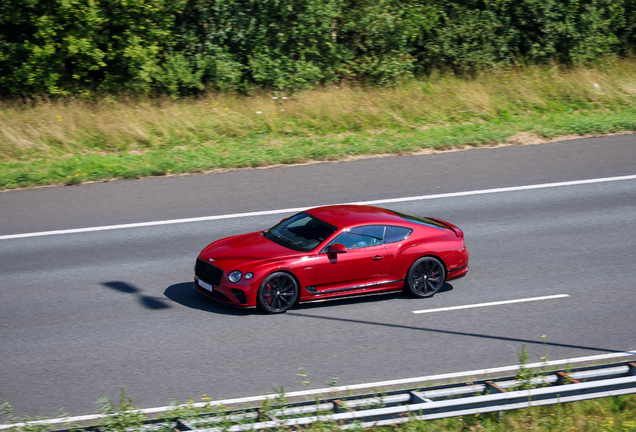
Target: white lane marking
x=155, y=223
x=297, y=209
x=497, y=303
x=326, y=391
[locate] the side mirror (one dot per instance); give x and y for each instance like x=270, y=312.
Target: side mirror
x=336, y=248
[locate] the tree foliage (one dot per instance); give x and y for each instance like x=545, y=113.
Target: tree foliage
x=181, y=46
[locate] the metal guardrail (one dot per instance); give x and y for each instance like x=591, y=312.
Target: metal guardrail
x=433, y=403
x=399, y=406
x=430, y=410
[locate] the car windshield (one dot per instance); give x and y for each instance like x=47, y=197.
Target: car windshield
x=301, y=232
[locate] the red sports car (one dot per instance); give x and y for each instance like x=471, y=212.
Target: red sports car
x=333, y=251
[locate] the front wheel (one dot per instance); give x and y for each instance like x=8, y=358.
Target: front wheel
x=277, y=293
x=425, y=277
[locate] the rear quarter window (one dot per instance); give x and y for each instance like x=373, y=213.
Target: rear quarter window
x=360, y=237
x=420, y=220
x=395, y=234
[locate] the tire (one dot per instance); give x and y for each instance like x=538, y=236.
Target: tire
x=425, y=277
x=277, y=294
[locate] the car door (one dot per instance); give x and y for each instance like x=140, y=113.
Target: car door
x=397, y=264
x=361, y=265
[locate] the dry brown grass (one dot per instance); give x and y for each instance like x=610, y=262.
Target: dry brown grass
x=113, y=125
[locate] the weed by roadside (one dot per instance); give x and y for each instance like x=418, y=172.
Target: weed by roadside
x=119, y=417
x=32, y=423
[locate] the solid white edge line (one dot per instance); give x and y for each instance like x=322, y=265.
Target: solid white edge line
x=497, y=303
x=297, y=209
x=342, y=388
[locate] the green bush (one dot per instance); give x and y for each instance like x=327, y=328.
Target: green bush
x=184, y=46
x=66, y=46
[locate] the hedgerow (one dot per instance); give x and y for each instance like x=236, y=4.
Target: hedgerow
x=185, y=46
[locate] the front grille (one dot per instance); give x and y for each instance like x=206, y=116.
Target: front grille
x=208, y=273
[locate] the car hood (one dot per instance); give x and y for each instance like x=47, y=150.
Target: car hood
x=233, y=253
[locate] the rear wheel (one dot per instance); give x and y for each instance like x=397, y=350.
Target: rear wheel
x=425, y=277
x=278, y=293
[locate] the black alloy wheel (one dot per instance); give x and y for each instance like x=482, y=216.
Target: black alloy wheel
x=277, y=293
x=425, y=277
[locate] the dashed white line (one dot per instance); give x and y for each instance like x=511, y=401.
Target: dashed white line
x=497, y=303
x=326, y=391
x=297, y=209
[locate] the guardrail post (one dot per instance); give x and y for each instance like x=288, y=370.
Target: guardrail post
x=340, y=406
x=181, y=426
x=564, y=378
x=632, y=368
x=418, y=398
x=494, y=388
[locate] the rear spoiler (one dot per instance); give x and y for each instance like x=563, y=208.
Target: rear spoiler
x=457, y=230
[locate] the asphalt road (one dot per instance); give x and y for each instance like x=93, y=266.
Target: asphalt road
x=82, y=315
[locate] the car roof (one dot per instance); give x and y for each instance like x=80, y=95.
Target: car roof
x=343, y=216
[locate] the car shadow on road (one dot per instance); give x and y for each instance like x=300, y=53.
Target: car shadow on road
x=369, y=298
x=147, y=301
x=186, y=295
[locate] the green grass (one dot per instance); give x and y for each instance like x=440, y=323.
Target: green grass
x=71, y=141
x=256, y=152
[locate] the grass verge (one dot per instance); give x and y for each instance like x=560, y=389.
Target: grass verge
x=71, y=141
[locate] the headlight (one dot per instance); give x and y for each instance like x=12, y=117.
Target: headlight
x=234, y=276
x=249, y=275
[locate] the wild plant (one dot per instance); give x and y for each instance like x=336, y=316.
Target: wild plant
x=120, y=417
x=27, y=423
x=525, y=374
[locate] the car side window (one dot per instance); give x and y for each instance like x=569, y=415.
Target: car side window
x=360, y=237
x=395, y=234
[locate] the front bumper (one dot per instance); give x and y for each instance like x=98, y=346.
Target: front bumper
x=225, y=294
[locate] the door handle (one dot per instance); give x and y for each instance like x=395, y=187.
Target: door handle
x=377, y=258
